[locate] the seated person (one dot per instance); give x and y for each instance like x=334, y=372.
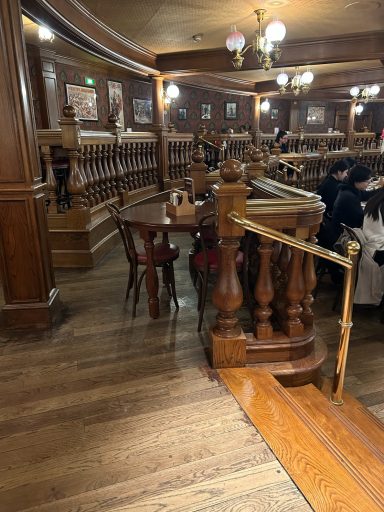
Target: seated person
x=329, y=187
x=373, y=227
x=282, y=140
x=347, y=208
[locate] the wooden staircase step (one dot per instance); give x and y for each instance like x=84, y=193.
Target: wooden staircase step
x=300, y=371
x=326, y=477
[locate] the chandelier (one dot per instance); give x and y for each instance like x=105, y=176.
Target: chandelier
x=46, y=35
x=367, y=94
x=265, y=106
x=299, y=83
x=265, y=47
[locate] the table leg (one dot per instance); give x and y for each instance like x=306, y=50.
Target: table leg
x=151, y=278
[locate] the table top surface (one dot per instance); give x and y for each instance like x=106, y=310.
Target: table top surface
x=154, y=215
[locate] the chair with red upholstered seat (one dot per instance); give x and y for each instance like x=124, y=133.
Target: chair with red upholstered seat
x=206, y=262
x=164, y=256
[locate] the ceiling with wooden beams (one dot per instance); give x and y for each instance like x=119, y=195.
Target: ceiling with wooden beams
x=342, y=40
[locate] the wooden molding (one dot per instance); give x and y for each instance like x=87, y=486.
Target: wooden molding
x=78, y=26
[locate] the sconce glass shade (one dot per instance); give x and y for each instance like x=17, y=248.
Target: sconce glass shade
x=235, y=40
x=46, y=35
x=354, y=91
x=374, y=90
x=282, y=79
x=172, y=91
x=358, y=109
x=275, y=31
x=307, y=77
x=264, y=107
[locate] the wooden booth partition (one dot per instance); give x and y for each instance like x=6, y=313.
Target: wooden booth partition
x=283, y=338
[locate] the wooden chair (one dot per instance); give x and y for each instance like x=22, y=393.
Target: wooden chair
x=206, y=262
x=164, y=256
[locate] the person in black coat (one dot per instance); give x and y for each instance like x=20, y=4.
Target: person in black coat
x=329, y=187
x=282, y=140
x=347, y=208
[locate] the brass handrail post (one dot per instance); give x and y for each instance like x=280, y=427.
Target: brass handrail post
x=346, y=324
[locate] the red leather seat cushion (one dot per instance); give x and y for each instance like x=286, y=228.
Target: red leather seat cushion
x=213, y=262
x=162, y=253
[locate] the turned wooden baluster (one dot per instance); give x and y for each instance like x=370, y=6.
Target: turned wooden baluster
x=100, y=172
x=123, y=165
x=171, y=160
x=139, y=163
x=128, y=155
x=50, y=179
x=310, y=282
x=154, y=163
x=275, y=266
x=135, y=178
x=89, y=176
x=283, y=263
x=75, y=184
x=112, y=171
x=149, y=163
x=107, y=175
x=294, y=293
x=228, y=339
x=182, y=160
x=95, y=176
x=264, y=290
x=177, y=159
x=144, y=163
x=82, y=172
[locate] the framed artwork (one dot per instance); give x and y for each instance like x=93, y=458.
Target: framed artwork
x=205, y=110
x=315, y=115
x=142, y=111
x=182, y=114
x=115, y=99
x=230, y=110
x=274, y=113
x=83, y=99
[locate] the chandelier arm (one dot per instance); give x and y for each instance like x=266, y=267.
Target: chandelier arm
x=244, y=50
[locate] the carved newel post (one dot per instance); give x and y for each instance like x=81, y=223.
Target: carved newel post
x=227, y=337
x=276, y=149
x=197, y=170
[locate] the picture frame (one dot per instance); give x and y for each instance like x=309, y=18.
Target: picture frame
x=84, y=101
x=230, y=110
x=182, y=114
x=205, y=110
x=274, y=113
x=115, y=100
x=142, y=111
x=315, y=115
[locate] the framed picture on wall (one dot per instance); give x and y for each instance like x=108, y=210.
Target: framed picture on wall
x=142, y=111
x=315, y=115
x=182, y=114
x=205, y=110
x=83, y=100
x=274, y=113
x=115, y=99
x=230, y=110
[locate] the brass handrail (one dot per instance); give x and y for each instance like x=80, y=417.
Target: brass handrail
x=210, y=143
x=297, y=169
x=349, y=264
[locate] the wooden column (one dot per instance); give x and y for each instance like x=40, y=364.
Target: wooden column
x=293, y=117
x=157, y=101
x=256, y=113
x=31, y=298
x=351, y=121
x=227, y=338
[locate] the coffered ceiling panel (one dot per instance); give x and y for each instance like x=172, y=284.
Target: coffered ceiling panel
x=168, y=25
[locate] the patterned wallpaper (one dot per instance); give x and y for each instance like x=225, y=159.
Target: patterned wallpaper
x=269, y=122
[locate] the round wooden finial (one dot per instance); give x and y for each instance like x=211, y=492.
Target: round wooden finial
x=256, y=155
x=69, y=111
x=231, y=171
x=198, y=155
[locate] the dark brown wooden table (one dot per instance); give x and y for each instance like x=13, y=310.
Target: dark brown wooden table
x=150, y=219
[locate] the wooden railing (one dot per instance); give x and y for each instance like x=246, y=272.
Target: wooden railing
x=283, y=336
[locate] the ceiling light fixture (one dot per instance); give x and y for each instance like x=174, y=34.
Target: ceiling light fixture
x=358, y=109
x=367, y=94
x=265, y=47
x=299, y=83
x=46, y=35
x=265, y=106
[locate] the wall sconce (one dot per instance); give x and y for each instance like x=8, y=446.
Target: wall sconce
x=265, y=106
x=367, y=94
x=46, y=35
x=169, y=95
x=265, y=47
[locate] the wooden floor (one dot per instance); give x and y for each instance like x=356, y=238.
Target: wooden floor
x=106, y=413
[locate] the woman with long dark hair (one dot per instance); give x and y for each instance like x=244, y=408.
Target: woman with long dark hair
x=373, y=227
